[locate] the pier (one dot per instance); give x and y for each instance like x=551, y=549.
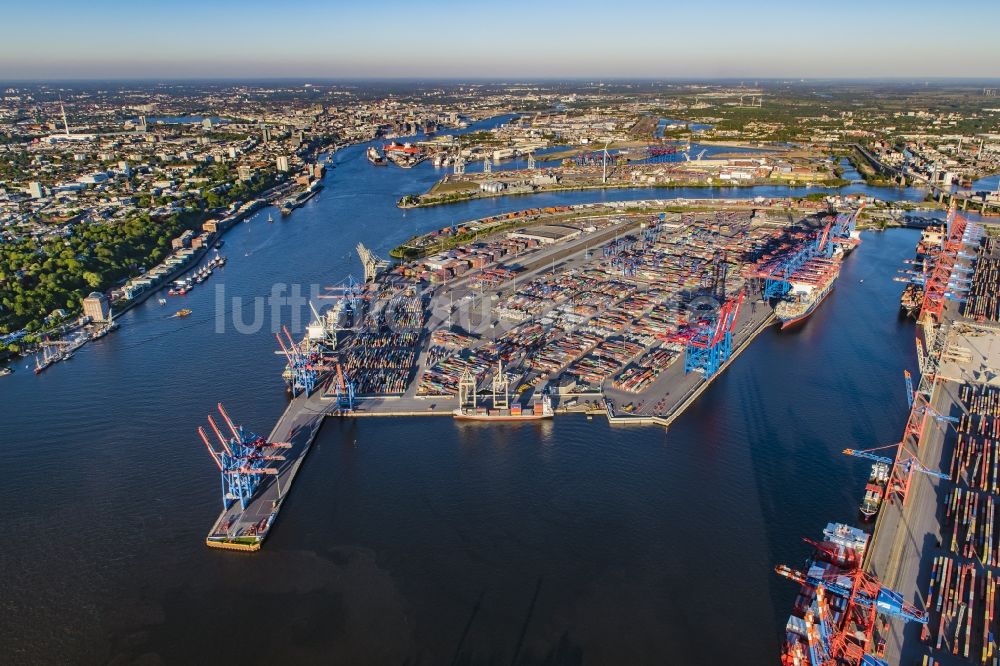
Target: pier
x=630, y=315
x=933, y=551
x=245, y=529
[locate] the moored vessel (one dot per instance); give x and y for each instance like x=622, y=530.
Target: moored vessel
x=915, y=273
x=911, y=300
x=805, y=297
x=811, y=272
x=539, y=410
x=874, y=491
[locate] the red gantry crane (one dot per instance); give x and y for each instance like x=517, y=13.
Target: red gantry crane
x=711, y=345
x=841, y=630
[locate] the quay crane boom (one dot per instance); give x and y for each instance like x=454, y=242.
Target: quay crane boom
x=867, y=591
x=710, y=346
x=242, y=459
x=909, y=388
x=848, y=640
x=908, y=464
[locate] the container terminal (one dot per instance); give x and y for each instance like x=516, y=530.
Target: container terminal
x=923, y=590
x=626, y=314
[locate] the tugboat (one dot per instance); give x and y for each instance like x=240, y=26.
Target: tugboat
x=375, y=157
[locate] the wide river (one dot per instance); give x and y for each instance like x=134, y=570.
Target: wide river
x=423, y=541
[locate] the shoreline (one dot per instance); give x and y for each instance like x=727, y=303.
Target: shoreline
x=628, y=186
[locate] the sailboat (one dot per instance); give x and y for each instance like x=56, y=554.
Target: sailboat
x=45, y=362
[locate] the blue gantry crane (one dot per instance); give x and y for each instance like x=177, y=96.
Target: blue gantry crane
x=778, y=275
x=912, y=463
x=711, y=345
x=242, y=460
x=344, y=391
x=850, y=639
x=300, y=371
x=925, y=407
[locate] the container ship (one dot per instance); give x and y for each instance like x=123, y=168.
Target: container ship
x=842, y=610
x=376, y=157
x=293, y=202
x=404, y=155
x=840, y=553
x=811, y=289
x=540, y=410
x=814, y=269
x=912, y=298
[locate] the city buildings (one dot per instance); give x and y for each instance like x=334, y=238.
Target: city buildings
x=97, y=307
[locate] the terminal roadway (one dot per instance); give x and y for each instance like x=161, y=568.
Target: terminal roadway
x=236, y=529
x=908, y=538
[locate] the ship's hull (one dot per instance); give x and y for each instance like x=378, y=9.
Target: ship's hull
x=798, y=320
x=495, y=418
x=867, y=515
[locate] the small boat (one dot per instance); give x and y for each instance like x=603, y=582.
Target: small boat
x=874, y=491
x=6, y=371
x=269, y=218
x=163, y=301
x=182, y=313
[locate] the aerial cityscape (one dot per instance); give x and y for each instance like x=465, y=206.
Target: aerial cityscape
x=534, y=334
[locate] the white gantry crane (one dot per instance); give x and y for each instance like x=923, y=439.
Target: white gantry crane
x=373, y=264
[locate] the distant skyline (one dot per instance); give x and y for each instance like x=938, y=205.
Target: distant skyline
x=514, y=39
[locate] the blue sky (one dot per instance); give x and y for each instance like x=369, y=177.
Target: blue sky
x=509, y=38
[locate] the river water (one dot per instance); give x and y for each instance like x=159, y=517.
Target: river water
x=420, y=540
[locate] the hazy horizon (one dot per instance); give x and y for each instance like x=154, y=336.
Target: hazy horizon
x=638, y=40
